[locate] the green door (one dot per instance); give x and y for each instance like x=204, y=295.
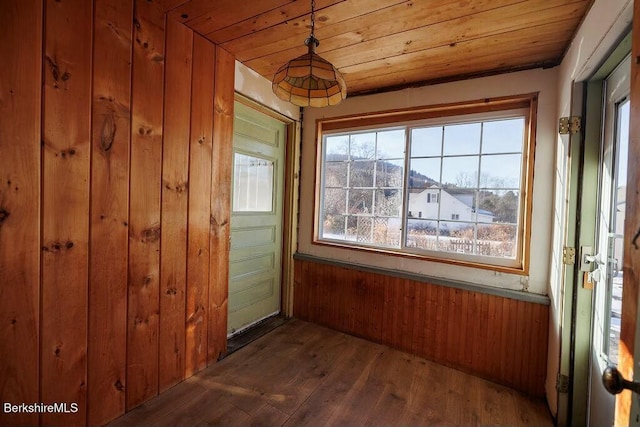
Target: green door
x=256, y=217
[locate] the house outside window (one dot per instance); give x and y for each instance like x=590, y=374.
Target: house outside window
x=467, y=175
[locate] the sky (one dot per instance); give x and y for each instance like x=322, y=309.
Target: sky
x=623, y=148
x=461, y=145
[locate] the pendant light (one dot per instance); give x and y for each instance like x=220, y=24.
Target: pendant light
x=310, y=80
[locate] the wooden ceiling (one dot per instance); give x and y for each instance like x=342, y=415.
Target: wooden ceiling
x=386, y=44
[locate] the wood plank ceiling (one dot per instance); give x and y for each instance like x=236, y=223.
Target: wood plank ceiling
x=386, y=44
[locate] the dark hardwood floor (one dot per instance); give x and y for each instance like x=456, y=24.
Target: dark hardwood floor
x=303, y=374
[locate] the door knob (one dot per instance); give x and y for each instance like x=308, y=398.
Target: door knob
x=614, y=382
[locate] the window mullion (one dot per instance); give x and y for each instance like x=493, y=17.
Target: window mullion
x=476, y=201
x=405, y=188
x=348, y=190
x=374, y=205
x=440, y=189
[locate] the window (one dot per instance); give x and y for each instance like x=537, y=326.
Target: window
x=463, y=169
x=253, y=184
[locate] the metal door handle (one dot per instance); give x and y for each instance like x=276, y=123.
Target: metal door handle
x=614, y=382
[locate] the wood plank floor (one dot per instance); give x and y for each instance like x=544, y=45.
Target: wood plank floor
x=303, y=374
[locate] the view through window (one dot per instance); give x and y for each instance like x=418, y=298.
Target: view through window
x=452, y=188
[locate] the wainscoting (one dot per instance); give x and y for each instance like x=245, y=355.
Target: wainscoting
x=494, y=334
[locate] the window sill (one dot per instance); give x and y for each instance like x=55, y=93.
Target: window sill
x=518, y=270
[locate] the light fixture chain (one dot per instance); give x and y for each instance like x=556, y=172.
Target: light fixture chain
x=313, y=18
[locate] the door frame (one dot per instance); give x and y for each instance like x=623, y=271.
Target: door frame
x=290, y=198
x=583, y=149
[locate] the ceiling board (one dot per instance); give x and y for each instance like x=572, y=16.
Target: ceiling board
x=329, y=21
x=382, y=44
x=294, y=15
x=477, y=66
x=231, y=12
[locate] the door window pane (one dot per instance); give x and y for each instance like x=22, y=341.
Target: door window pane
x=252, y=184
x=616, y=231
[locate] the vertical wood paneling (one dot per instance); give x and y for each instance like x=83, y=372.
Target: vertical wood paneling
x=144, y=207
x=175, y=190
x=505, y=340
x=376, y=302
x=20, y=118
x=441, y=325
x=525, y=337
x=454, y=334
x=493, y=340
x=514, y=351
x=221, y=202
x=538, y=373
x=464, y=345
x=109, y=210
x=388, y=311
x=407, y=315
x=497, y=338
x=429, y=323
x=198, y=255
x=89, y=173
x=485, y=350
x=65, y=206
x=418, y=320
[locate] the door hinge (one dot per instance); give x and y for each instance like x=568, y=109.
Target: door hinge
x=568, y=255
x=562, y=383
x=569, y=125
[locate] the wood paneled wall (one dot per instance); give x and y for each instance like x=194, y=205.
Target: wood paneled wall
x=20, y=206
x=115, y=158
x=494, y=337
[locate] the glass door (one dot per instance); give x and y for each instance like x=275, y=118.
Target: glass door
x=607, y=262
